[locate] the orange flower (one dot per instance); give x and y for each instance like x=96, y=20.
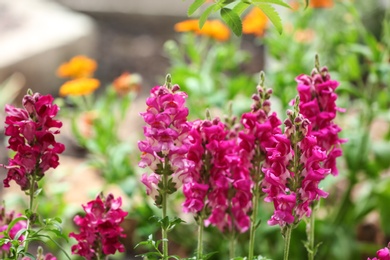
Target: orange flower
x=78, y=67
x=213, y=29
x=187, y=26
x=126, y=83
x=255, y=22
x=321, y=3
x=79, y=87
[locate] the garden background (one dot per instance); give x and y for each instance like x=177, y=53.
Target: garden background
x=352, y=39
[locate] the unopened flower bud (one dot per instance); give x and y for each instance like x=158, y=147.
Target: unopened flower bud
x=175, y=88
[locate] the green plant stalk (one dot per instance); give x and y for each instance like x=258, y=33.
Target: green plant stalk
x=287, y=239
x=199, y=252
x=31, y=206
x=164, y=214
x=310, y=234
x=232, y=245
x=253, y=222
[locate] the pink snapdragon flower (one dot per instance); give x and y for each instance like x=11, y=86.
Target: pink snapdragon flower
x=293, y=170
x=166, y=144
x=382, y=254
x=33, y=140
x=100, y=228
x=215, y=189
x=318, y=104
x=5, y=219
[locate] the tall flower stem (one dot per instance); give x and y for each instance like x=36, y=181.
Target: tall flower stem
x=199, y=252
x=253, y=222
x=164, y=214
x=30, y=209
x=310, y=235
x=287, y=239
x=232, y=246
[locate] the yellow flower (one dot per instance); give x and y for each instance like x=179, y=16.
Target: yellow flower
x=321, y=3
x=78, y=67
x=79, y=87
x=214, y=29
x=255, y=22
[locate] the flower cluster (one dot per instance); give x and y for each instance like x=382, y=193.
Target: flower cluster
x=382, y=254
x=33, y=140
x=80, y=69
x=166, y=145
x=215, y=185
x=318, y=104
x=5, y=219
x=100, y=228
x=293, y=170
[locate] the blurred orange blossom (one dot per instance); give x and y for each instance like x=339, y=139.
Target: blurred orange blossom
x=78, y=67
x=212, y=28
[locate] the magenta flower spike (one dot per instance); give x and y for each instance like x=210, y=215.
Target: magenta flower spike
x=100, y=228
x=166, y=145
x=318, y=105
x=33, y=140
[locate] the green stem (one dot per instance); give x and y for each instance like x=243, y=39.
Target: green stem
x=310, y=234
x=287, y=239
x=31, y=206
x=253, y=222
x=199, y=252
x=164, y=214
x=232, y=244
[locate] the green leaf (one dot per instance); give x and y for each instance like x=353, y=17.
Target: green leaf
x=195, y=6
x=272, y=15
x=240, y=7
x=276, y=2
x=205, y=15
x=233, y=20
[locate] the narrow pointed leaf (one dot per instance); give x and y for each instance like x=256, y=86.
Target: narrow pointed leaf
x=195, y=6
x=205, y=15
x=240, y=7
x=272, y=15
x=232, y=19
x=276, y=2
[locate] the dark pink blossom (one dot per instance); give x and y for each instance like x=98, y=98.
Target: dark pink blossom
x=318, y=104
x=166, y=144
x=100, y=228
x=293, y=169
x=33, y=140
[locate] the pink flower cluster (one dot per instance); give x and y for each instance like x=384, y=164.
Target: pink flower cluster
x=32, y=138
x=5, y=219
x=293, y=170
x=382, y=254
x=166, y=135
x=214, y=183
x=100, y=228
x=318, y=104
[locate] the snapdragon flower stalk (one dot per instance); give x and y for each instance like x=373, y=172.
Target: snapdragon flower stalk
x=33, y=140
x=259, y=126
x=318, y=104
x=293, y=170
x=165, y=148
